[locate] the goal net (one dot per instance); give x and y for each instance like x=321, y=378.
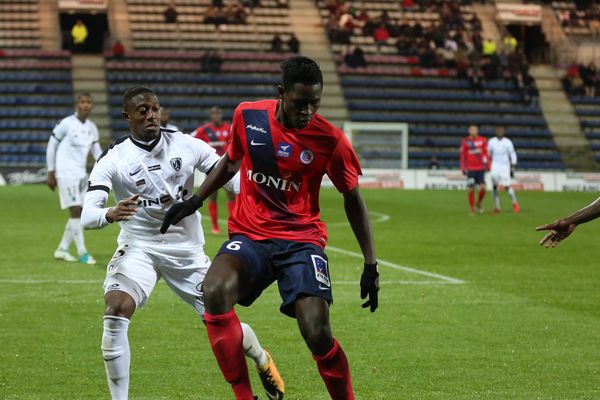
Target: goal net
x=379, y=144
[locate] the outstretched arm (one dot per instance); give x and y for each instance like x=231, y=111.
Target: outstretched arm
x=220, y=175
x=562, y=228
x=358, y=217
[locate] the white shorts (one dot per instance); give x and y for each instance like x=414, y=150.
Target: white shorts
x=501, y=179
x=71, y=191
x=135, y=271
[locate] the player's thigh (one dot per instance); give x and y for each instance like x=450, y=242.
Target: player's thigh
x=69, y=192
x=131, y=270
x=249, y=262
x=184, y=273
x=303, y=271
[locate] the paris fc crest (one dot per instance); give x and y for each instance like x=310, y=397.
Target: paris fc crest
x=176, y=163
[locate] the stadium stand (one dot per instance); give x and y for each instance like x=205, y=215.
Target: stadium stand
x=437, y=99
x=19, y=24
x=578, y=22
x=36, y=91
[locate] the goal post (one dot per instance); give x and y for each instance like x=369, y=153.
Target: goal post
x=379, y=144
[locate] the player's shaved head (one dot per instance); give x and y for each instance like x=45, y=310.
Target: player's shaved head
x=82, y=94
x=300, y=70
x=135, y=91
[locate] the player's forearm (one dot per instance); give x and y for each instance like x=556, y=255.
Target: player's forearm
x=586, y=214
x=219, y=176
x=93, y=213
x=51, y=154
x=358, y=217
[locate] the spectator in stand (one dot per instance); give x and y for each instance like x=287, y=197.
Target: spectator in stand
x=170, y=13
x=277, y=44
x=489, y=47
x=282, y=3
x=476, y=78
x=79, y=34
x=354, y=57
x=408, y=4
x=589, y=75
x=294, y=44
x=381, y=36
x=211, y=62
x=433, y=163
x=217, y=3
x=118, y=50
x=510, y=43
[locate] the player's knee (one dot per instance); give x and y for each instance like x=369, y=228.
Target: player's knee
x=119, y=305
x=218, y=293
x=318, y=337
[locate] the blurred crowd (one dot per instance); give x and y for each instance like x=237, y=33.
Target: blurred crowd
x=582, y=80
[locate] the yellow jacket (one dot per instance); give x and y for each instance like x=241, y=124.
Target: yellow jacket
x=79, y=33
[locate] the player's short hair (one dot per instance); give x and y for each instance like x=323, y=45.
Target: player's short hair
x=134, y=91
x=82, y=94
x=300, y=70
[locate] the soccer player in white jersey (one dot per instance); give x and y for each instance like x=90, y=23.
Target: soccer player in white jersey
x=149, y=171
x=504, y=159
x=66, y=158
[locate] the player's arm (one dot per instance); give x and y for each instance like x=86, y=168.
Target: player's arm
x=463, y=157
x=485, y=157
x=562, y=228
x=358, y=217
x=96, y=149
x=58, y=133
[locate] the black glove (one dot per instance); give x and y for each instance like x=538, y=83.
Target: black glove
x=369, y=285
x=179, y=211
x=512, y=171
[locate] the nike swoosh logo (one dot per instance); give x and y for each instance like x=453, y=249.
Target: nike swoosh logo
x=110, y=359
x=253, y=143
x=133, y=173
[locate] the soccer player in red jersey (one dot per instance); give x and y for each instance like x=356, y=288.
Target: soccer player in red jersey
x=216, y=134
x=283, y=148
x=474, y=161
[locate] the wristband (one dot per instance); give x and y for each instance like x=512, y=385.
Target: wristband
x=371, y=267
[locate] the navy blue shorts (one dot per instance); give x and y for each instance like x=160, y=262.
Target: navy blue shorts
x=475, y=178
x=300, y=269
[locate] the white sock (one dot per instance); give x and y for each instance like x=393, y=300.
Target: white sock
x=116, y=354
x=496, y=198
x=77, y=230
x=513, y=196
x=67, y=237
x=252, y=347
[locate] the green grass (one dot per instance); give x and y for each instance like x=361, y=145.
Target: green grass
x=524, y=325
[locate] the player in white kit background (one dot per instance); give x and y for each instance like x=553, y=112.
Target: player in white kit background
x=66, y=158
x=504, y=160
x=149, y=171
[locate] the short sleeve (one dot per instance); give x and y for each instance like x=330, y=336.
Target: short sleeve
x=343, y=167
x=206, y=156
x=61, y=129
x=235, y=149
x=101, y=177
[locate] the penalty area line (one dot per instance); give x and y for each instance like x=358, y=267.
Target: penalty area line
x=388, y=264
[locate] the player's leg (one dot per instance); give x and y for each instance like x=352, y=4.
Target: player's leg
x=480, y=181
x=68, y=193
x=230, y=201
x=213, y=212
x=471, y=191
x=130, y=280
x=312, y=314
x=513, y=199
x=496, y=197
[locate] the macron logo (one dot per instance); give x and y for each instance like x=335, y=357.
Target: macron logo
x=255, y=128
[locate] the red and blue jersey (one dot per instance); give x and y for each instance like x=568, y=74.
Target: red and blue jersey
x=217, y=136
x=474, y=154
x=281, y=173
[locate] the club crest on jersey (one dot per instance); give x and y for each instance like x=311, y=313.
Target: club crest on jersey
x=284, y=150
x=176, y=163
x=307, y=156
x=321, y=272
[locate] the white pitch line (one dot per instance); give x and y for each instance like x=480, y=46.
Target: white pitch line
x=391, y=283
x=46, y=281
x=98, y=282
x=400, y=267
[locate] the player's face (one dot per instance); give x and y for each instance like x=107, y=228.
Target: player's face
x=473, y=131
x=500, y=132
x=216, y=116
x=84, y=106
x=300, y=104
x=143, y=115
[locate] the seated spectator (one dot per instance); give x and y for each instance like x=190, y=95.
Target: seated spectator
x=433, y=163
x=235, y=14
x=277, y=44
x=211, y=62
x=294, y=44
x=489, y=47
x=476, y=78
x=170, y=13
x=354, y=57
x=214, y=15
x=282, y=3
x=381, y=36
x=118, y=50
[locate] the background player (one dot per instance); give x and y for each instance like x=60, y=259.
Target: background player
x=504, y=160
x=165, y=117
x=562, y=228
x=216, y=134
x=66, y=158
x=284, y=148
x=147, y=172
x=474, y=162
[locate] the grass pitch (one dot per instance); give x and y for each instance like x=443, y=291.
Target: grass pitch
x=525, y=324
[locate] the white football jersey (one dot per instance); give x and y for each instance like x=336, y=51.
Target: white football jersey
x=162, y=173
x=75, y=140
x=502, y=153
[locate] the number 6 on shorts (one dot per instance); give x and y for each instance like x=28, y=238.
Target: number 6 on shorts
x=235, y=245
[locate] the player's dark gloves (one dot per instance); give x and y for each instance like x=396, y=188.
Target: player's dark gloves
x=179, y=211
x=369, y=285
x=512, y=172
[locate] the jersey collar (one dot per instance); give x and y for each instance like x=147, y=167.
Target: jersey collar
x=148, y=147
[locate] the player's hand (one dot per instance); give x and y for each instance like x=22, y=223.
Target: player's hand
x=369, y=285
x=512, y=171
x=179, y=211
x=51, y=180
x=464, y=172
x=124, y=210
x=559, y=230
